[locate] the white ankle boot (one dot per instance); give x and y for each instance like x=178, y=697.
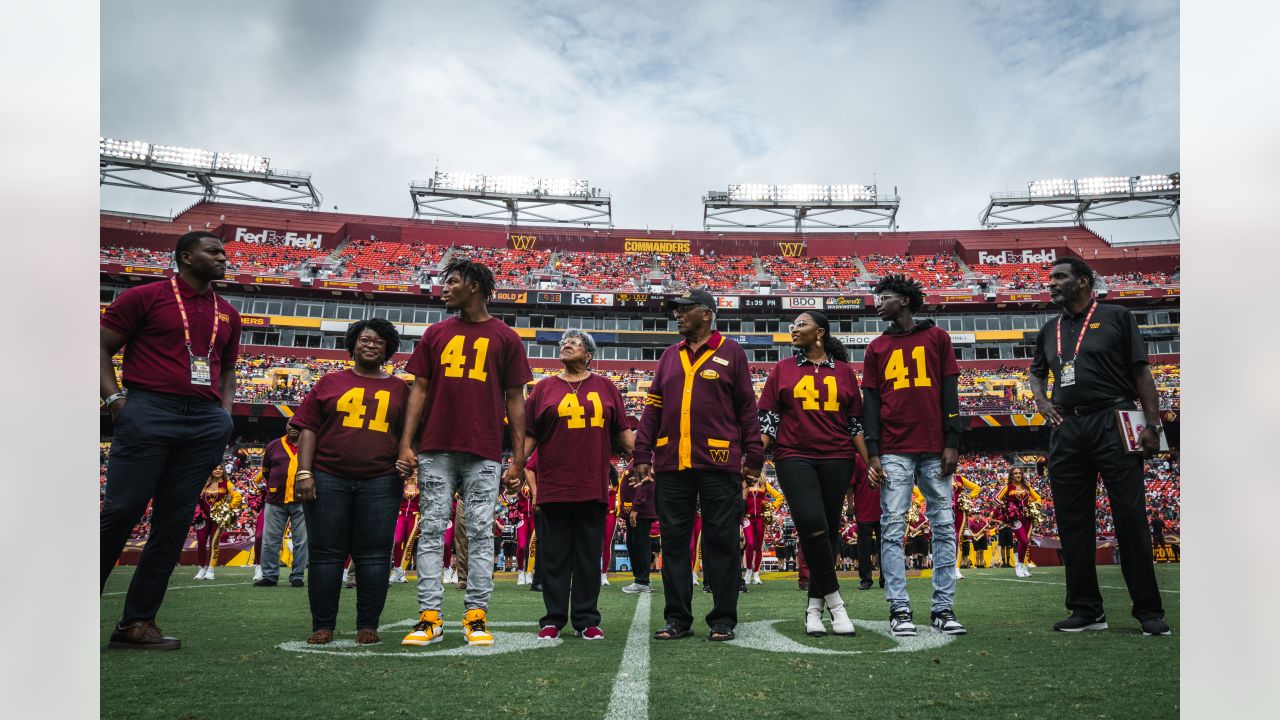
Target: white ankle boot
x=201, y=572
x=813, y=618
x=755, y=578
x=257, y=573
x=840, y=622
x=208, y=573
x=604, y=578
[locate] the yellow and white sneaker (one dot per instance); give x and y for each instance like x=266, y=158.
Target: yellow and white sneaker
x=476, y=627
x=430, y=629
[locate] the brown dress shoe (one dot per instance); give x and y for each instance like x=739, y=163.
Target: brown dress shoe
x=320, y=637
x=367, y=636
x=142, y=635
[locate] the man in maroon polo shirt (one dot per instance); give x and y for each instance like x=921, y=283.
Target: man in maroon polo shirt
x=701, y=433
x=179, y=376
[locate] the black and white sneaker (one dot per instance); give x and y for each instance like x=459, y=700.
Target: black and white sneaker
x=900, y=622
x=944, y=621
x=1155, y=626
x=1079, y=623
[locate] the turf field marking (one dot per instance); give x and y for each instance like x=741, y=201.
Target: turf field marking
x=1042, y=582
x=762, y=635
x=630, y=696
x=182, y=587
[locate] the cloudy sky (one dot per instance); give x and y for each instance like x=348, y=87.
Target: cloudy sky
x=656, y=102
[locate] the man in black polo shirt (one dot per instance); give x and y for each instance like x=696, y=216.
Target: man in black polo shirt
x=171, y=427
x=1099, y=365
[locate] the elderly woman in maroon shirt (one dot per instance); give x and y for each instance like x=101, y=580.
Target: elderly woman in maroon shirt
x=572, y=419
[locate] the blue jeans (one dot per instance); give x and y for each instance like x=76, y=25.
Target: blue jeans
x=273, y=538
x=440, y=475
x=355, y=516
x=895, y=499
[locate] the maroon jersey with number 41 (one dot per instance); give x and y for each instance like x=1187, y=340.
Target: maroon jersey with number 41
x=468, y=367
x=574, y=431
x=357, y=422
x=907, y=369
x=815, y=402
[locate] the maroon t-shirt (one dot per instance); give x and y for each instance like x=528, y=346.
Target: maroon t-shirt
x=155, y=353
x=468, y=367
x=574, y=434
x=815, y=402
x=908, y=369
x=357, y=422
x=866, y=497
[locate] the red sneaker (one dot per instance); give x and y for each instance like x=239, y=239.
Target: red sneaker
x=592, y=633
x=550, y=632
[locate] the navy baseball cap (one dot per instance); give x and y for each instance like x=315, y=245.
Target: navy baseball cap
x=692, y=297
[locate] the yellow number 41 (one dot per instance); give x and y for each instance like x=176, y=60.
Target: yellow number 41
x=352, y=405
x=897, y=371
x=573, y=410
x=454, y=359
x=809, y=393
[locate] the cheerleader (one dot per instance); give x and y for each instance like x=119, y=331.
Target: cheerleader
x=217, y=494
x=523, y=521
x=256, y=503
x=610, y=525
x=756, y=496
x=1017, y=498
x=406, y=531
x=963, y=492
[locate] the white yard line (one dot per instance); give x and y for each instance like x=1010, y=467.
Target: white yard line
x=630, y=696
x=183, y=587
x=1041, y=582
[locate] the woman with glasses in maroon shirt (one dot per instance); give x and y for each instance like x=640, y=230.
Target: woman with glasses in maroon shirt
x=347, y=479
x=810, y=419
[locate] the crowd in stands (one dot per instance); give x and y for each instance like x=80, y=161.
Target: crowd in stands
x=135, y=256
x=381, y=261
x=267, y=258
x=941, y=270
x=625, y=272
x=709, y=272
x=510, y=268
x=1138, y=279
x=822, y=272
x=1016, y=276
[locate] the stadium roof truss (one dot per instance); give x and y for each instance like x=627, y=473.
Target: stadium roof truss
x=212, y=176
x=795, y=208
x=1076, y=202
x=513, y=200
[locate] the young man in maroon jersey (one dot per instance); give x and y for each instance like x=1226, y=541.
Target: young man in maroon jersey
x=470, y=370
x=910, y=383
x=180, y=379
x=700, y=432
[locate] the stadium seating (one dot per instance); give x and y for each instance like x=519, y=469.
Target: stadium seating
x=801, y=274
x=934, y=271
x=1016, y=276
x=380, y=261
x=510, y=269
x=134, y=256
x=268, y=259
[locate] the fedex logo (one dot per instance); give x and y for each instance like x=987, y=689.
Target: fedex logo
x=289, y=239
x=1008, y=256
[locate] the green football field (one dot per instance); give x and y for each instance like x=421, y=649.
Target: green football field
x=243, y=657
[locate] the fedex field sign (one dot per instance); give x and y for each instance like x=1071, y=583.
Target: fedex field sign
x=288, y=239
x=1008, y=256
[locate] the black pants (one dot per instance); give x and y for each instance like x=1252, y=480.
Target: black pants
x=356, y=517
x=815, y=491
x=1080, y=450
x=720, y=494
x=538, y=525
x=163, y=448
x=640, y=549
x=569, y=554
x=868, y=545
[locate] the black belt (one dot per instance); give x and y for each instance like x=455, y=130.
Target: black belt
x=1096, y=407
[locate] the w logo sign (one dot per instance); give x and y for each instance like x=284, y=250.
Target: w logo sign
x=720, y=455
x=791, y=249
x=523, y=242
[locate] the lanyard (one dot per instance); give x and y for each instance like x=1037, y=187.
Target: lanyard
x=1079, y=338
x=186, y=328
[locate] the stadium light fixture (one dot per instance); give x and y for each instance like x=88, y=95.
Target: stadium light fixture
x=511, y=184
x=1050, y=188
x=1157, y=183
x=190, y=157
x=1102, y=185
x=125, y=149
x=243, y=162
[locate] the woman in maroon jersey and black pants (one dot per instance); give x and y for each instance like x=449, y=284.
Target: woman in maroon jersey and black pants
x=347, y=479
x=810, y=418
x=572, y=420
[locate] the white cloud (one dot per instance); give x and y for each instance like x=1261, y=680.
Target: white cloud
x=656, y=102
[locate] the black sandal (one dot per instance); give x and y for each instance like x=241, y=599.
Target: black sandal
x=672, y=631
x=721, y=633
